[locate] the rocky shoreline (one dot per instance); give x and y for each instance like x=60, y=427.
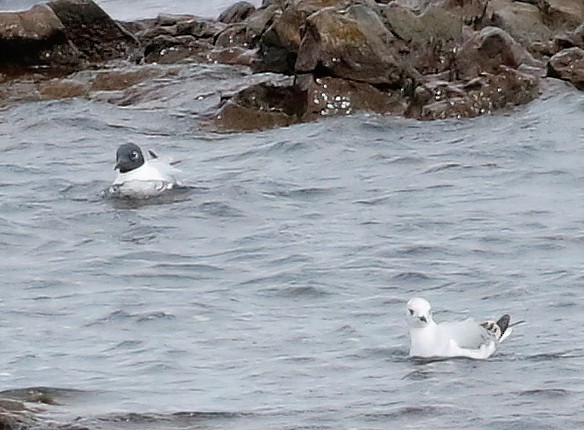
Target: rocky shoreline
x=424, y=59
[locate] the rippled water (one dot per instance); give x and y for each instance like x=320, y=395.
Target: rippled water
x=272, y=296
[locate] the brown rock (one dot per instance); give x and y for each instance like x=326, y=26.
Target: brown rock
x=146, y=35
x=485, y=94
x=268, y=105
x=120, y=79
x=168, y=19
x=285, y=32
x=234, y=35
x=564, y=15
x=259, y=21
x=570, y=39
x=37, y=23
x=523, y=21
x=353, y=45
x=280, y=43
x=536, y=22
x=199, y=28
x=247, y=33
x=332, y=96
x=236, y=12
x=427, y=40
x=261, y=106
x=170, y=50
x=35, y=37
x=15, y=415
x=569, y=66
x=488, y=49
x=55, y=89
x=435, y=23
x=92, y=31
x=234, y=55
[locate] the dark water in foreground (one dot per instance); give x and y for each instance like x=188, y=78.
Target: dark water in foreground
x=272, y=296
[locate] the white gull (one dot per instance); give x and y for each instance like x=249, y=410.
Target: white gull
x=142, y=177
x=466, y=338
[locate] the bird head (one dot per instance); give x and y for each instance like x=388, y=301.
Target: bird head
x=419, y=312
x=128, y=157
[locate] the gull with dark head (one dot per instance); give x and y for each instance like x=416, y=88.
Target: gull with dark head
x=142, y=177
x=466, y=338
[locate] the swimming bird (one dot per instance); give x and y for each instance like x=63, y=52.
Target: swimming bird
x=142, y=177
x=466, y=338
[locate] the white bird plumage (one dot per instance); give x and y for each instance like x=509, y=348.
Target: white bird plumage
x=140, y=176
x=466, y=338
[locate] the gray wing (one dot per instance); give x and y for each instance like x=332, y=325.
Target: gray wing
x=171, y=173
x=467, y=333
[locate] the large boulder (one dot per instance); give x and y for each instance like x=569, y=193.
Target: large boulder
x=92, y=31
x=569, y=39
x=328, y=96
x=433, y=24
x=35, y=37
x=280, y=42
x=487, y=50
x=260, y=106
x=427, y=40
x=568, y=65
x=237, y=12
x=62, y=33
x=523, y=21
x=248, y=32
x=535, y=22
x=351, y=44
x=482, y=95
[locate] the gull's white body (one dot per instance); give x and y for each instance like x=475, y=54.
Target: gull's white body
x=151, y=170
x=466, y=338
x=151, y=179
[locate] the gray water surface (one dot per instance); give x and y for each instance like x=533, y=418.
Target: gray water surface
x=273, y=295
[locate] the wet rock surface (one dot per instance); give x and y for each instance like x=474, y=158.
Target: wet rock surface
x=422, y=59
x=568, y=65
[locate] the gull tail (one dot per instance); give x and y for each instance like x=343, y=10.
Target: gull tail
x=503, y=323
x=500, y=329
x=153, y=154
